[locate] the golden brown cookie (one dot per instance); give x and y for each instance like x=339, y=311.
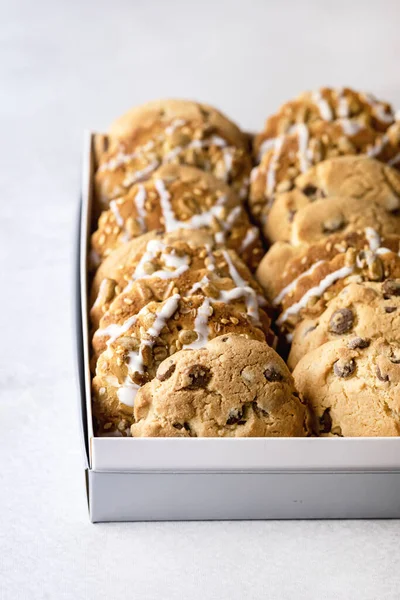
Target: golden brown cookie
x=178, y=197
x=368, y=310
x=348, y=192
x=305, y=146
x=326, y=104
x=159, y=330
x=220, y=276
x=170, y=131
x=232, y=387
x=164, y=257
x=352, y=387
x=300, y=281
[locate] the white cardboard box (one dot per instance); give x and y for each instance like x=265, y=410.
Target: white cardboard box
x=132, y=479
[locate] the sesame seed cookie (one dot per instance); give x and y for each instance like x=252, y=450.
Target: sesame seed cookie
x=224, y=279
x=352, y=387
x=326, y=104
x=300, y=281
x=368, y=310
x=165, y=257
x=232, y=387
x=179, y=197
x=159, y=330
x=169, y=131
x=335, y=195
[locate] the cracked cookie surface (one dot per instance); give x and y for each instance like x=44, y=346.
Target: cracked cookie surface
x=352, y=387
x=233, y=387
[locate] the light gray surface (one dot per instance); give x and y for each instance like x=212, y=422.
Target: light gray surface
x=69, y=65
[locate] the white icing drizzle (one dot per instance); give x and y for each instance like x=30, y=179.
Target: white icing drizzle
x=394, y=160
x=343, y=109
x=265, y=147
x=114, y=330
x=323, y=106
x=178, y=264
x=286, y=290
x=373, y=239
x=242, y=290
x=315, y=292
x=114, y=209
x=131, y=178
x=128, y=390
x=139, y=200
x=273, y=164
x=350, y=127
x=250, y=237
x=102, y=287
x=175, y=124
x=228, y=161
x=201, y=325
x=378, y=110
x=377, y=148
x=119, y=160
x=302, y=134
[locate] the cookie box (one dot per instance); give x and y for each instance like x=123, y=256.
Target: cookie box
x=132, y=479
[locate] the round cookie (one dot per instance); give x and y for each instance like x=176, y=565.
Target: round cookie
x=296, y=152
x=300, y=281
x=225, y=279
x=368, y=310
x=159, y=330
x=326, y=104
x=232, y=387
x=352, y=387
x=166, y=259
x=338, y=193
x=178, y=132
x=179, y=197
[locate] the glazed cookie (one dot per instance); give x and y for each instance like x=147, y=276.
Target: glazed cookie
x=179, y=197
x=336, y=194
x=135, y=351
x=352, y=387
x=368, y=310
x=178, y=132
x=224, y=279
x=294, y=153
x=232, y=387
x=164, y=260
x=326, y=104
x=301, y=281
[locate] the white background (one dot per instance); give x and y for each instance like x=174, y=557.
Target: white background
x=66, y=66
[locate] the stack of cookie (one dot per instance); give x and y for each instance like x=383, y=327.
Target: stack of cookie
x=170, y=183
x=326, y=194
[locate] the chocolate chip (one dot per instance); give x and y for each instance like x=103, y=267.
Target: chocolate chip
x=391, y=287
x=271, y=373
x=344, y=369
x=179, y=426
x=341, y=321
x=259, y=411
x=326, y=421
x=291, y=215
x=380, y=375
x=310, y=329
x=236, y=417
x=358, y=342
x=310, y=190
x=199, y=377
x=390, y=309
x=163, y=375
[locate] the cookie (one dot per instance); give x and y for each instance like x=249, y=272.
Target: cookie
x=136, y=349
x=222, y=277
x=326, y=104
x=164, y=258
x=170, y=131
x=232, y=387
x=178, y=197
x=352, y=387
x=305, y=146
x=335, y=195
x=367, y=310
x=300, y=281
